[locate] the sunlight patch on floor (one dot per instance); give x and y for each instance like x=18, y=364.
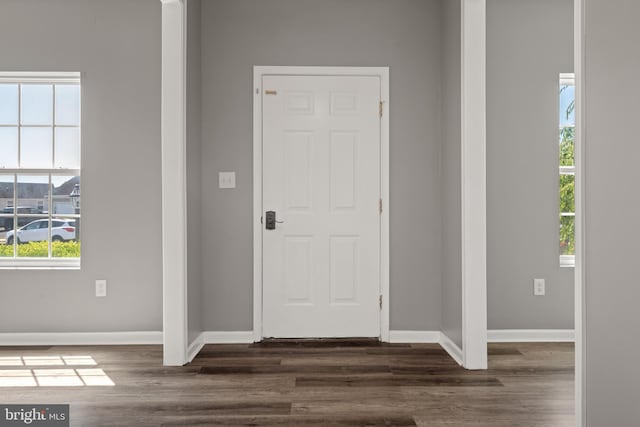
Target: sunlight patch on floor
x=51, y=371
x=47, y=361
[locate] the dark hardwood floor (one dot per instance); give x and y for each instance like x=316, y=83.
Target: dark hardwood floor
x=328, y=383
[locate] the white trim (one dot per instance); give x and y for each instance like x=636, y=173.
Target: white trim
x=428, y=337
x=257, y=205
x=41, y=171
x=567, y=79
x=80, y=338
x=425, y=337
x=218, y=337
x=40, y=264
x=531, y=335
x=174, y=218
x=580, y=195
x=452, y=348
x=567, y=170
x=228, y=337
x=195, y=347
x=567, y=261
x=39, y=77
x=385, y=194
x=474, y=191
x=383, y=73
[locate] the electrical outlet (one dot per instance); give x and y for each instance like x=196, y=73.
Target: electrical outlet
x=226, y=180
x=539, y=288
x=101, y=288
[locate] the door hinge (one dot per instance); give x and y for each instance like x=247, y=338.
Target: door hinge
x=380, y=206
x=381, y=108
x=380, y=301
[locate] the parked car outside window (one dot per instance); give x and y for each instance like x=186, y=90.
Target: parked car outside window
x=62, y=230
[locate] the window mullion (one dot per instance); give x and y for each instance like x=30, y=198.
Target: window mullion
x=19, y=125
x=15, y=214
x=59, y=171
x=50, y=222
x=53, y=165
x=53, y=129
x=15, y=176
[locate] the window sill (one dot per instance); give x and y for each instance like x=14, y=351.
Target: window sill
x=40, y=264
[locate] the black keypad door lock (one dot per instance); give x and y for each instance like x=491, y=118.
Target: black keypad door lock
x=270, y=220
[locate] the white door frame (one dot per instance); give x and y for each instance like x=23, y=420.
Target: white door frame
x=258, y=73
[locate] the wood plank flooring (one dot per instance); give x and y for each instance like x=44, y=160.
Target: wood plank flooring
x=284, y=383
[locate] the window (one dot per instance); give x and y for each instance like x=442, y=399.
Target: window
x=567, y=170
x=40, y=169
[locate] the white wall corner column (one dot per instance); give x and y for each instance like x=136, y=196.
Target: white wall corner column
x=174, y=181
x=474, y=189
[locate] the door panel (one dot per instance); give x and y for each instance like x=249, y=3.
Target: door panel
x=321, y=175
x=344, y=272
x=298, y=260
x=343, y=163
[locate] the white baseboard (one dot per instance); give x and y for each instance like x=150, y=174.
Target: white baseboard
x=452, y=348
x=195, y=347
x=427, y=337
x=80, y=338
x=531, y=335
x=218, y=337
x=227, y=337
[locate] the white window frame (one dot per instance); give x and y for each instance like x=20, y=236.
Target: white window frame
x=567, y=79
x=40, y=262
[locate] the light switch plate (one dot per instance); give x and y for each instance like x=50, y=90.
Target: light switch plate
x=539, y=288
x=226, y=180
x=101, y=288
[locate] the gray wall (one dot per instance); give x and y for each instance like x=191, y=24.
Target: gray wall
x=612, y=212
x=451, y=172
x=402, y=34
x=194, y=186
x=116, y=44
x=528, y=44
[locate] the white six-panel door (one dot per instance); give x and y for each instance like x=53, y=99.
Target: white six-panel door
x=321, y=175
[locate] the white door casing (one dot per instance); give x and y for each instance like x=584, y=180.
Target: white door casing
x=323, y=156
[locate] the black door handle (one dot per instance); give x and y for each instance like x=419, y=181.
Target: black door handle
x=270, y=220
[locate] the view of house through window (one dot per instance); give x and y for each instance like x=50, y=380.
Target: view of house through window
x=567, y=170
x=39, y=168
